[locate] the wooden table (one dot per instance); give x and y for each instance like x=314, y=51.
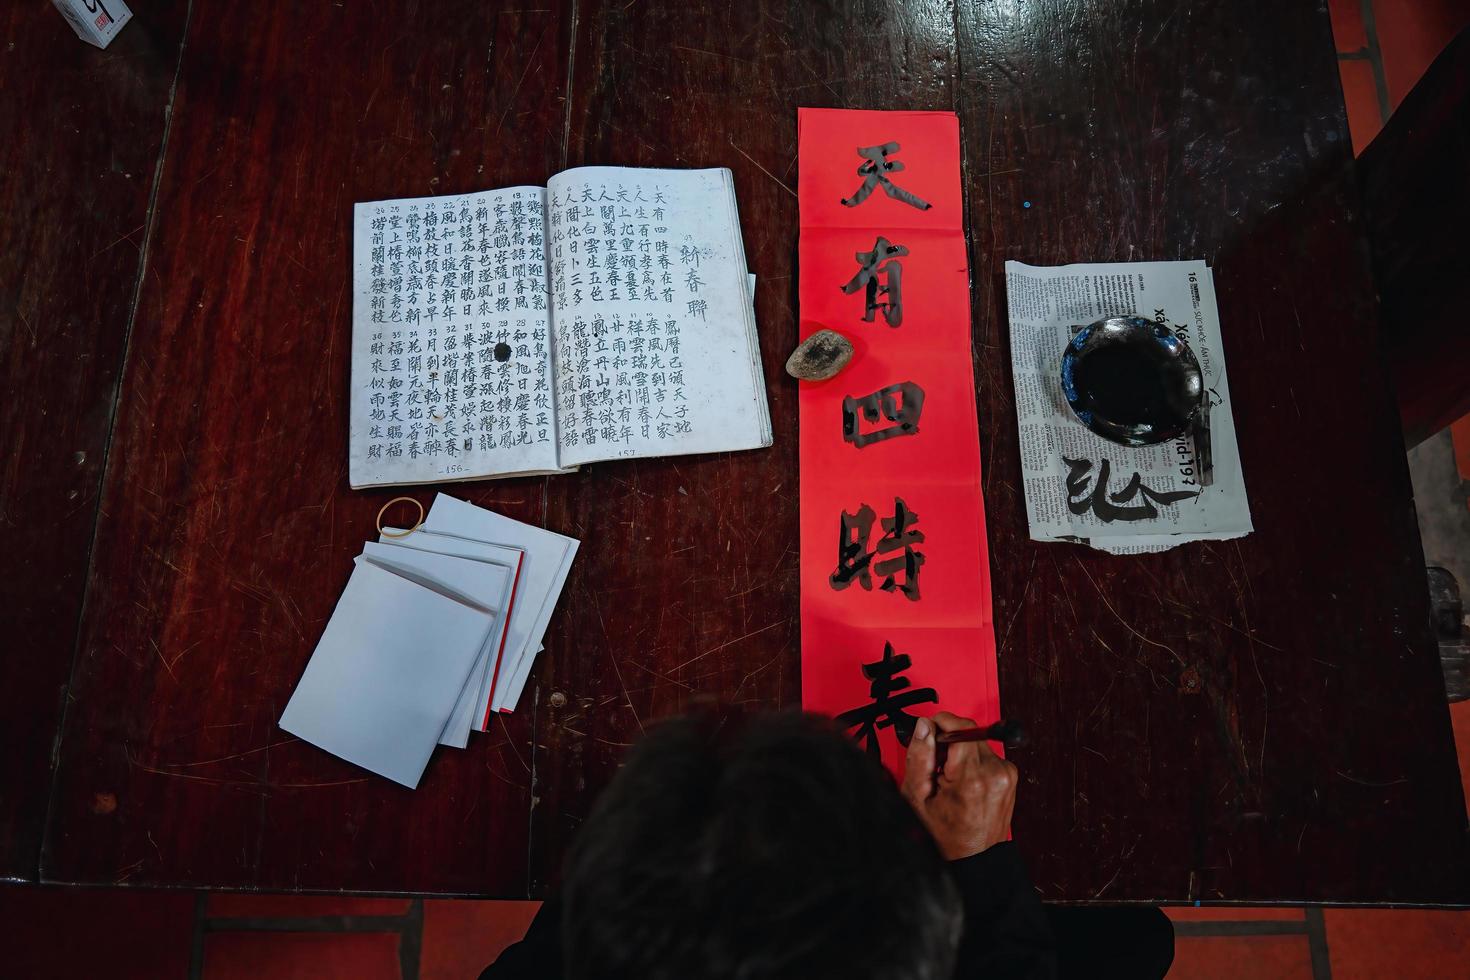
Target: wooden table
x=1260, y=720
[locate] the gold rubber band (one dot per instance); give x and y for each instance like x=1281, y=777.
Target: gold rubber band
x=400, y=534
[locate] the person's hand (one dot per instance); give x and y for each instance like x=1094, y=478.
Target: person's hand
x=967, y=805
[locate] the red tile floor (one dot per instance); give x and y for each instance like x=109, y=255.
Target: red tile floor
x=1383, y=48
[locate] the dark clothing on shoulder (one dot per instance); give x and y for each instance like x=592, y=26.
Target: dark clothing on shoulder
x=1006, y=930
x=538, y=955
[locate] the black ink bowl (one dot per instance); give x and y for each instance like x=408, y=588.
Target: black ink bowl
x=1132, y=381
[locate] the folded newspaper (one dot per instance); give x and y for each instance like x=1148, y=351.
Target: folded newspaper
x=1084, y=488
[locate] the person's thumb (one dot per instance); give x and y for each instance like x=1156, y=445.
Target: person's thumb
x=918, y=769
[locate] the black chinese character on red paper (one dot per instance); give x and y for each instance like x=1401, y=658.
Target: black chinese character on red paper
x=881, y=261
x=891, y=695
x=856, y=563
x=874, y=171
x=900, y=404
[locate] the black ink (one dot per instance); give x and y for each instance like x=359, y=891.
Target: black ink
x=886, y=711
x=901, y=536
x=502, y=352
x=853, y=558
x=1105, y=505
x=855, y=561
x=874, y=171
x=882, y=260
x=884, y=403
x=1126, y=384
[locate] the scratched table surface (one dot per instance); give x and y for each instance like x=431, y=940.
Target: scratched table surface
x=1258, y=720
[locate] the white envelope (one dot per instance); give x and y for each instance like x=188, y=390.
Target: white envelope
x=518, y=628
x=484, y=584
x=386, y=673
x=548, y=560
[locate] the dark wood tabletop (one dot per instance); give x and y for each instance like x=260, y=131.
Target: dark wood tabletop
x=1256, y=720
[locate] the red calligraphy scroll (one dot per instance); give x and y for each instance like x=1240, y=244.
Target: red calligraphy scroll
x=895, y=572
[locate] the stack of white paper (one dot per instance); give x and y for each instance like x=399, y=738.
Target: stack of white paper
x=434, y=634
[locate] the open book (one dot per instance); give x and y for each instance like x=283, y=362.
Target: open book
x=531, y=329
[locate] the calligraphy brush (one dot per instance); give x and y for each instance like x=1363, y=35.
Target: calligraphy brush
x=1009, y=733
